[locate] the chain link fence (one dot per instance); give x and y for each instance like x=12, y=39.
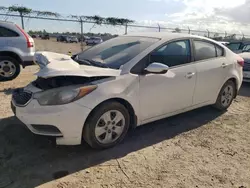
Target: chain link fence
x=69, y=25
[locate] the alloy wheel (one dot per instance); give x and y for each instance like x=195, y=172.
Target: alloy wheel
x=109, y=127
x=227, y=95
x=7, y=68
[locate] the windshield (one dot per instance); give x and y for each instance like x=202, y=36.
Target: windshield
x=117, y=51
x=234, y=46
x=246, y=47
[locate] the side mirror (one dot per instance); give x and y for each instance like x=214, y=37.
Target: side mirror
x=156, y=68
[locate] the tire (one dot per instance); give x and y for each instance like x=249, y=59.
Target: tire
x=226, y=96
x=11, y=63
x=95, y=120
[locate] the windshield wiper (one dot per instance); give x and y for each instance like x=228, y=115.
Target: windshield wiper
x=96, y=63
x=89, y=62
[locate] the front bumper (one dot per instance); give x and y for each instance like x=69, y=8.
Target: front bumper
x=27, y=63
x=28, y=59
x=65, y=122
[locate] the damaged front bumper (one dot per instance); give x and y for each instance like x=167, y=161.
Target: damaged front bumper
x=65, y=122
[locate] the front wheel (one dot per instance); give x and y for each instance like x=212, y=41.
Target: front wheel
x=107, y=125
x=9, y=68
x=226, y=96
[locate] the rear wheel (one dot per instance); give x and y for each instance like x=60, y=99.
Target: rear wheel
x=107, y=125
x=226, y=96
x=9, y=68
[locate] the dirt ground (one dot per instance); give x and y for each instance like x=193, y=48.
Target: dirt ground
x=60, y=47
x=201, y=148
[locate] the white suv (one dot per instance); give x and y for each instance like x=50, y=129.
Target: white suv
x=16, y=48
x=125, y=82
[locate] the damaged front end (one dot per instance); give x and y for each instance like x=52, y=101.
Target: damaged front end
x=60, y=70
x=63, y=81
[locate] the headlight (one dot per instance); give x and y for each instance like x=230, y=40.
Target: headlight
x=63, y=95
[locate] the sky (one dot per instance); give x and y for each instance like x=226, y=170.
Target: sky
x=232, y=16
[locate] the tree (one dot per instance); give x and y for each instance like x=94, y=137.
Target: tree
x=22, y=11
x=98, y=20
x=177, y=30
x=231, y=37
x=216, y=35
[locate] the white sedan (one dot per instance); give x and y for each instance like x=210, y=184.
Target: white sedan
x=126, y=82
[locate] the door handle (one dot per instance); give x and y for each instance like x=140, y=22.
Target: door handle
x=224, y=65
x=190, y=75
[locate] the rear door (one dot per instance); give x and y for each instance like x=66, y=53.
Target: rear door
x=9, y=38
x=212, y=70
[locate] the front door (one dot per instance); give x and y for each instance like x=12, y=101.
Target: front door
x=161, y=94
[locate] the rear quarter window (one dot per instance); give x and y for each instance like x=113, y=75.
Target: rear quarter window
x=5, y=32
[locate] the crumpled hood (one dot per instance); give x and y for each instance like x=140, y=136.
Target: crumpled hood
x=55, y=64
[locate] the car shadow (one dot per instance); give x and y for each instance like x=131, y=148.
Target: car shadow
x=245, y=90
x=7, y=91
x=32, y=160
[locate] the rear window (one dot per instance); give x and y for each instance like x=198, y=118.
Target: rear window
x=246, y=47
x=234, y=46
x=4, y=32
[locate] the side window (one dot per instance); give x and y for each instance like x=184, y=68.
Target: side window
x=219, y=51
x=204, y=50
x=4, y=32
x=172, y=54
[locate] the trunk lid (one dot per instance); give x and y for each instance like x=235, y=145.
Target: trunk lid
x=245, y=55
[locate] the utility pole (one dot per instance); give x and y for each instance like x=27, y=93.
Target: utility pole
x=21, y=15
x=81, y=33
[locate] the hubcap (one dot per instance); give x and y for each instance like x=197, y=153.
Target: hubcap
x=109, y=127
x=227, y=96
x=7, y=68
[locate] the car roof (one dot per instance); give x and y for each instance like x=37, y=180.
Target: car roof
x=6, y=22
x=165, y=35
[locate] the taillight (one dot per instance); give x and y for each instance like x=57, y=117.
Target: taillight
x=240, y=61
x=29, y=43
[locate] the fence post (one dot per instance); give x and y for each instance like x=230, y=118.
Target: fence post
x=243, y=36
x=81, y=33
x=208, y=33
x=126, y=28
x=21, y=15
x=225, y=34
x=159, y=27
x=188, y=30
